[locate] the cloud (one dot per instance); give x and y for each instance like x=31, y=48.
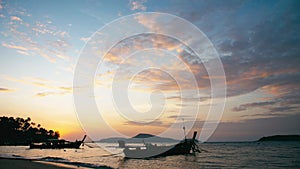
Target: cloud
x=44, y=94
x=252, y=105
x=113, y=58
x=250, y=129
x=253, y=129
x=36, y=38
x=59, y=90
x=5, y=89
x=285, y=95
x=255, y=52
x=259, y=50
x=154, y=123
x=85, y=39
x=137, y=5
x=154, y=79
x=56, y=89
x=145, y=41
x=23, y=52
x=189, y=98
x=19, y=48
x=15, y=18
x=247, y=130
x=150, y=21
x=180, y=117
x=183, y=64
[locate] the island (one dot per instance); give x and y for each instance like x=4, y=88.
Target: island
x=281, y=138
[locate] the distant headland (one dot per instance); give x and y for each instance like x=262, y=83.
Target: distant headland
x=281, y=138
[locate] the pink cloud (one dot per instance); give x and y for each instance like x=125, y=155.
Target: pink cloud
x=15, y=18
x=138, y=5
x=14, y=47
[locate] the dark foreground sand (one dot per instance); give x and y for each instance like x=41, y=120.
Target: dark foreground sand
x=6, y=163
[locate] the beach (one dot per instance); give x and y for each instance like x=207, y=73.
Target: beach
x=8, y=163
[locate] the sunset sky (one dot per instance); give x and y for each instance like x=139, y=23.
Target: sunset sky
x=258, y=43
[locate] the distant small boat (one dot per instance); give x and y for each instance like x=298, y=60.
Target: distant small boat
x=152, y=150
x=56, y=144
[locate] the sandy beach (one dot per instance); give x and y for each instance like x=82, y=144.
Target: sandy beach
x=7, y=163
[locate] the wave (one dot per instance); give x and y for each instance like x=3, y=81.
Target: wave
x=12, y=156
x=78, y=164
x=52, y=159
x=57, y=160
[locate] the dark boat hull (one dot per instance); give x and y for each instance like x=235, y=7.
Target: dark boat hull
x=151, y=151
x=58, y=146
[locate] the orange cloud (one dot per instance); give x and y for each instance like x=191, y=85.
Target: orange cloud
x=113, y=58
x=14, y=47
x=149, y=21
x=279, y=89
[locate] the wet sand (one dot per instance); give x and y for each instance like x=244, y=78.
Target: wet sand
x=7, y=163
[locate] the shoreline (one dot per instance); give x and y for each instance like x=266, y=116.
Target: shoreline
x=16, y=163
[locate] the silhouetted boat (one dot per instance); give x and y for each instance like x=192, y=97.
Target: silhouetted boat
x=56, y=144
x=186, y=146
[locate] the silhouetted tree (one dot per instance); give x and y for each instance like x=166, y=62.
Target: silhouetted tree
x=19, y=131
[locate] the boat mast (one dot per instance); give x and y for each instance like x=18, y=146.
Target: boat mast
x=183, y=129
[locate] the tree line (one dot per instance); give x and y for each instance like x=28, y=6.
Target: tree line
x=19, y=131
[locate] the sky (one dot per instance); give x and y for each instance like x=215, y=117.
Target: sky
x=258, y=44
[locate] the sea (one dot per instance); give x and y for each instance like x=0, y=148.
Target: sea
x=213, y=155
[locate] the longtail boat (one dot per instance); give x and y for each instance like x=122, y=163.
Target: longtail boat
x=56, y=144
x=186, y=146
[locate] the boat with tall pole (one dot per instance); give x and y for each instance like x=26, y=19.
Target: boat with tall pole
x=149, y=150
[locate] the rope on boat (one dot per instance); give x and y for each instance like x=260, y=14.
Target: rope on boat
x=203, y=150
x=88, y=145
x=196, y=148
x=108, y=155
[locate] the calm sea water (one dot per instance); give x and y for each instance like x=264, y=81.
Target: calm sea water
x=214, y=155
